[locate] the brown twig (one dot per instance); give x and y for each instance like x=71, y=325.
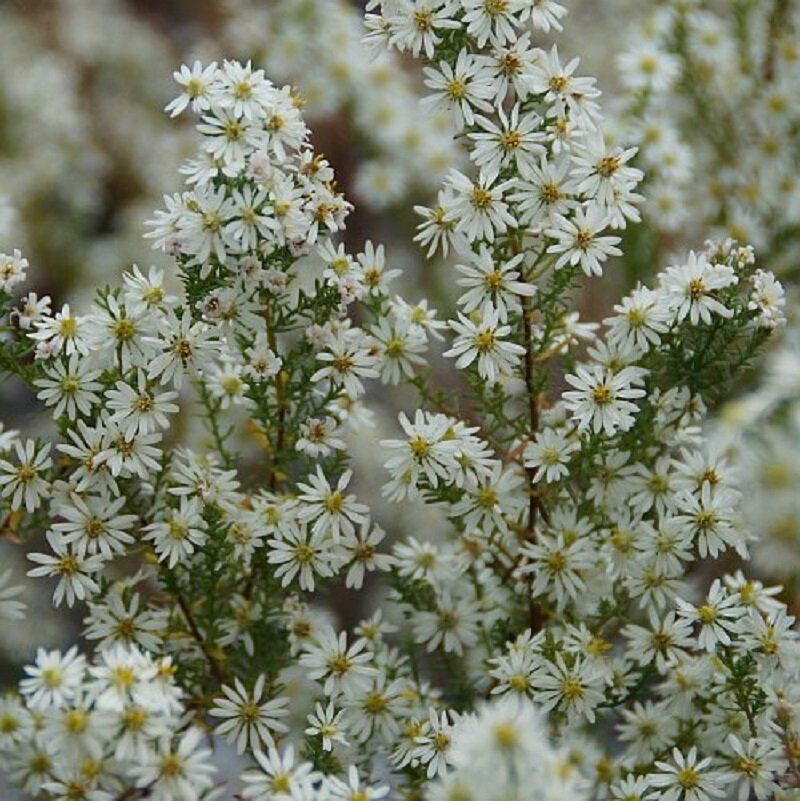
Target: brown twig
x=280, y=437
x=516, y=451
x=533, y=411
x=776, y=22
x=535, y=613
x=279, y=400
x=214, y=666
x=135, y=792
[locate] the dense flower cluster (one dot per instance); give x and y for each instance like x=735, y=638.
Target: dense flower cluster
x=738, y=67
x=115, y=717
x=262, y=319
x=711, y=92
x=574, y=633
x=400, y=150
x=500, y=750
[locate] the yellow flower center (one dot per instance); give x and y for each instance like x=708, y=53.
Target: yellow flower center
x=506, y=736
x=493, y=280
x=69, y=384
x=171, y=766
x=602, y=395
x=556, y=561
x=688, y=778
x=481, y=198
x=485, y=341
x=25, y=473
x=123, y=676
x=124, y=329
x=423, y=20
x=375, y=703
x=76, y=721
x=339, y=665
x=334, y=502
x=608, y=166
x=68, y=565
x=8, y=724
x=419, y=446
x=571, y=689
x=495, y=7
x=135, y=718
x=456, y=89
x=696, y=288
x=194, y=88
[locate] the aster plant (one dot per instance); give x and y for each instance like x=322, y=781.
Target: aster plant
x=577, y=633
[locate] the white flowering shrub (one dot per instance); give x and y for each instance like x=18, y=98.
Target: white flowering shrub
x=583, y=630
x=735, y=64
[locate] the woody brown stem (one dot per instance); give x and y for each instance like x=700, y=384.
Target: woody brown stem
x=135, y=792
x=213, y=664
x=535, y=613
x=279, y=400
x=533, y=411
